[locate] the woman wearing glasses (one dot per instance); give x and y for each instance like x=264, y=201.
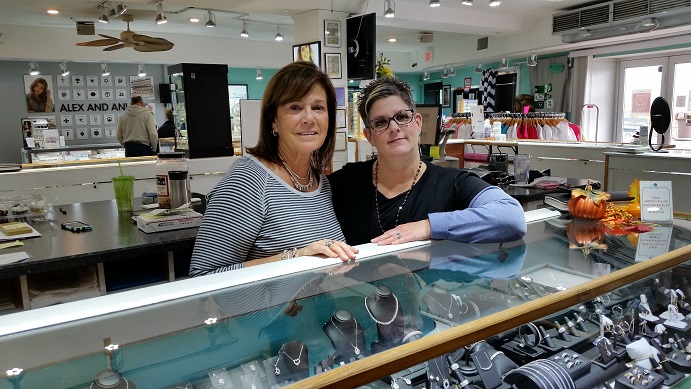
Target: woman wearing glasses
x=399, y=198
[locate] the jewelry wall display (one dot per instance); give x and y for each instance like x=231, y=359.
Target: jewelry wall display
x=346, y=334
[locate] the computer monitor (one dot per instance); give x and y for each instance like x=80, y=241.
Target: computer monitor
x=430, y=134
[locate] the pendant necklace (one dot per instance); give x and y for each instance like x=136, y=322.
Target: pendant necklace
x=254, y=378
x=386, y=323
x=354, y=346
x=376, y=193
x=443, y=307
x=296, y=361
x=277, y=371
x=294, y=177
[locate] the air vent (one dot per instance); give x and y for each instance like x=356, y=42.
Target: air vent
x=595, y=16
x=628, y=9
x=566, y=22
x=658, y=6
x=482, y=43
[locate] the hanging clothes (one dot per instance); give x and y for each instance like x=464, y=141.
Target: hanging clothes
x=488, y=86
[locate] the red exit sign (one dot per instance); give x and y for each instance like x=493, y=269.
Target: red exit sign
x=428, y=56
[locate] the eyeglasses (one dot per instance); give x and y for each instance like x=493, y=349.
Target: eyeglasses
x=382, y=123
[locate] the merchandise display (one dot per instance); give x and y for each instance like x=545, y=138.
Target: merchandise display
x=288, y=325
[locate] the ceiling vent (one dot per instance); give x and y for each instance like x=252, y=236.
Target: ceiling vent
x=425, y=37
x=619, y=17
x=86, y=28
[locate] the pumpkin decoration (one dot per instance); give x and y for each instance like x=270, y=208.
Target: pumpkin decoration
x=586, y=235
x=588, y=203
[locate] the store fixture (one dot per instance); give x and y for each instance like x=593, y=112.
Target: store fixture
x=389, y=8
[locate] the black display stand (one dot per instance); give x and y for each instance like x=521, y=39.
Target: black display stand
x=384, y=309
x=205, y=91
x=346, y=335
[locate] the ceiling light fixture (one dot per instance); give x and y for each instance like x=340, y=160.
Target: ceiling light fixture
x=259, y=74
x=104, y=70
x=532, y=59
x=434, y=3
x=452, y=71
x=63, y=69
x=120, y=9
x=209, y=19
x=160, y=17
x=467, y=2
x=278, y=36
x=425, y=75
x=389, y=8
x=244, y=33
x=478, y=69
x=104, y=14
x=504, y=63
x=53, y=11
x=141, y=70
x=33, y=69
x=494, y=3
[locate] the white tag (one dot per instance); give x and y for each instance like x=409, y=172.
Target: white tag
x=656, y=201
x=653, y=243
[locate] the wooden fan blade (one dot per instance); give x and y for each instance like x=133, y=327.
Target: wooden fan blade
x=109, y=37
x=111, y=48
x=99, y=42
x=150, y=47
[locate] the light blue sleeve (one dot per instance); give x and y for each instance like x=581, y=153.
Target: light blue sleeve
x=493, y=216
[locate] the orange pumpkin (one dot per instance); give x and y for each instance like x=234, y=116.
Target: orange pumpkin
x=586, y=235
x=588, y=203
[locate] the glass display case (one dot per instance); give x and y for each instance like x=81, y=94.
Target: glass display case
x=73, y=153
x=428, y=315
x=199, y=94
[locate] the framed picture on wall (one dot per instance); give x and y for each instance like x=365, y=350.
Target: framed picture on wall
x=446, y=96
x=332, y=62
x=340, y=118
x=310, y=52
x=340, y=96
x=332, y=33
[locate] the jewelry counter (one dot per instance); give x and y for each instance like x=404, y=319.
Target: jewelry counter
x=432, y=314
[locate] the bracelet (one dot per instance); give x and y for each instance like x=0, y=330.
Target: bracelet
x=289, y=253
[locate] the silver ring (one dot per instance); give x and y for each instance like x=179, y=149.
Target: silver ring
x=399, y=235
x=329, y=243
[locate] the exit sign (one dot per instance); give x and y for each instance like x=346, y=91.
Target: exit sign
x=428, y=56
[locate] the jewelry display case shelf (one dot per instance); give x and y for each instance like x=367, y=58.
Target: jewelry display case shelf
x=400, y=315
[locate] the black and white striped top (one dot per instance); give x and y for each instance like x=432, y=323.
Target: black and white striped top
x=251, y=213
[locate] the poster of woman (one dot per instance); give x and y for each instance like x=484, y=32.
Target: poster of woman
x=309, y=52
x=38, y=93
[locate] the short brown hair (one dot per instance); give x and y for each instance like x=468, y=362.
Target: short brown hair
x=291, y=83
x=382, y=88
x=136, y=99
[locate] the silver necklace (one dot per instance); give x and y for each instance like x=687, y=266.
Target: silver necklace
x=443, y=307
x=294, y=177
x=254, y=378
x=277, y=371
x=376, y=193
x=386, y=323
x=296, y=361
x=354, y=346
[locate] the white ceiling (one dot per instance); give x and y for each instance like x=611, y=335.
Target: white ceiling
x=449, y=22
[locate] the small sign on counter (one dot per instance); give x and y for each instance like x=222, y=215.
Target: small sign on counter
x=656, y=201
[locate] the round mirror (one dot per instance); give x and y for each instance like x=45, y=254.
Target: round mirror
x=660, y=119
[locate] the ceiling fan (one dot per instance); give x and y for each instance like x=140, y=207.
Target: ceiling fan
x=130, y=39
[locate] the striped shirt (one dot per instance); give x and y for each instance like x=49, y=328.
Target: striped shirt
x=251, y=213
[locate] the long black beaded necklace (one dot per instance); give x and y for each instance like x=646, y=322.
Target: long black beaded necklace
x=376, y=193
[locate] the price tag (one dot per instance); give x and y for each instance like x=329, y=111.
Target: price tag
x=656, y=201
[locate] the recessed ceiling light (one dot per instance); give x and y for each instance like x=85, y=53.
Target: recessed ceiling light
x=53, y=11
x=194, y=20
x=392, y=40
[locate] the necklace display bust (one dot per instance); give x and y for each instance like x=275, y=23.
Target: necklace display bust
x=346, y=334
x=383, y=307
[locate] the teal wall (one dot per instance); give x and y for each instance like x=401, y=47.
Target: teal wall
x=255, y=88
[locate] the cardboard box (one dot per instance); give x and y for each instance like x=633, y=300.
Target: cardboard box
x=167, y=222
x=16, y=228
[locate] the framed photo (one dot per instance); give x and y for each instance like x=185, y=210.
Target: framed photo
x=446, y=96
x=332, y=63
x=332, y=33
x=340, y=96
x=310, y=52
x=340, y=118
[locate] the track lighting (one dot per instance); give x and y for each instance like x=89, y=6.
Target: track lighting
x=504, y=63
x=209, y=19
x=451, y=72
x=33, y=69
x=141, y=70
x=494, y=3
x=389, y=8
x=478, y=69
x=444, y=73
x=467, y=2
x=259, y=74
x=434, y=3
x=104, y=14
x=104, y=70
x=532, y=60
x=63, y=69
x=425, y=75
x=160, y=17
x=244, y=33
x=278, y=36
x=120, y=9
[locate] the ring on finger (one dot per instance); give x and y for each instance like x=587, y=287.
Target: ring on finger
x=329, y=243
x=399, y=235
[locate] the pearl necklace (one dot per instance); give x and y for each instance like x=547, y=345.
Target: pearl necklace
x=294, y=177
x=386, y=323
x=355, y=347
x=376, y=193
